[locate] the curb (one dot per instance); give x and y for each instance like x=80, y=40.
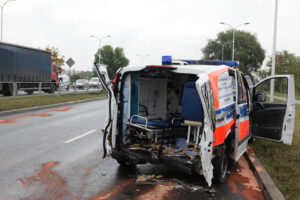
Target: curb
x=266, y=184
x=19, y=111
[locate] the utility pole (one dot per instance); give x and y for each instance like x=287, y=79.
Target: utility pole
x=233, y=34
x=2, y=8
x=274, y=51
x=142, y=57
x=100, y=39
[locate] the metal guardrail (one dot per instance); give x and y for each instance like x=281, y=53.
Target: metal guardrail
x=17, y=89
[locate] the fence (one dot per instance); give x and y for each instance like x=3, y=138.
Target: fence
x=17, y=89
x=19, y=95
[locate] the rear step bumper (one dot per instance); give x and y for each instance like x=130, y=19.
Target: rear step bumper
x=139, y=156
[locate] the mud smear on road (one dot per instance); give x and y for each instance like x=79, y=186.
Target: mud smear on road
x=86, y=176
x=48, y=184
x=241, y=182
x=43, y=114
x=61, y=109
x=158, y=192
x=115, y=190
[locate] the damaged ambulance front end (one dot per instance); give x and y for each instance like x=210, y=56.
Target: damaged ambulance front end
x=161, y=115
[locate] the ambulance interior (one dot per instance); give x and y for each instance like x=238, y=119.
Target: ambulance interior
x=162, y=114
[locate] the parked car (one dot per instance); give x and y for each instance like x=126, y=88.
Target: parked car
x=81, y=84
x=192, y=117
x=94, y=82
x=64, y=82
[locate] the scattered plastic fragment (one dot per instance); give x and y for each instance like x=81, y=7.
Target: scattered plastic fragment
x=212, y=190
x=149, y=179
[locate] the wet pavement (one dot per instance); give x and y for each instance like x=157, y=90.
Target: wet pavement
x=37, y=163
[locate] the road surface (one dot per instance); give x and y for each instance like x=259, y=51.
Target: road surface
x=57, y=154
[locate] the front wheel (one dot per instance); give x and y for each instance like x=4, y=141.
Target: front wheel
x=220, y=164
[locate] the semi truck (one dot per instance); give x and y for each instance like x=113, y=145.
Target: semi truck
x=27, y=69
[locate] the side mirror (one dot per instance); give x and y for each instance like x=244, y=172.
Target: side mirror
x=261, y=96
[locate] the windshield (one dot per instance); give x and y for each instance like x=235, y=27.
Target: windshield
x=80, y=81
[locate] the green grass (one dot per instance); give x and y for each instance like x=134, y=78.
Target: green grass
x=284, y=95
x=283, y=161
x=7, y=104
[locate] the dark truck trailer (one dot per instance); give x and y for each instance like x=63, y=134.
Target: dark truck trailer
x=28, y=68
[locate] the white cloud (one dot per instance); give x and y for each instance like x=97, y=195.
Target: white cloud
x=156, y=27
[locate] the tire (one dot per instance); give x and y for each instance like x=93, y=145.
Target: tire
x=220, y=164
x=68, y=87
x=125, y=163
x=7, y=89
x=29, y=92
x=52, y=88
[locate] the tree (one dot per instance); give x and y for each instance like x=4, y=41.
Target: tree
x=74, y=77
x=247, y=50
x=287, y=63
x=56, y=58
x=113, y=58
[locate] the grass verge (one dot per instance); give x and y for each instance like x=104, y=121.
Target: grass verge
x=7, y=104
x=283, y=161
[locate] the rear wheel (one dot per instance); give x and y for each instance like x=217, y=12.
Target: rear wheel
x=52, y=88
x=125, y=163
x=8, y=89
x=220, y=164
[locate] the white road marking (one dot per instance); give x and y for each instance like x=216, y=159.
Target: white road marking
x=80, y=136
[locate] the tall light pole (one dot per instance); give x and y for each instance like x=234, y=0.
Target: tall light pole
x=142, y=57
x=2, y=8
x=99, y=39
x=223, y=45
x=233, y=34
x=274, y=51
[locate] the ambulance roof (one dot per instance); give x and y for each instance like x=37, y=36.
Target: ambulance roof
x=182, y=69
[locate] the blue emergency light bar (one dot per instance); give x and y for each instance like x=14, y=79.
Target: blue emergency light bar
x=167, y=60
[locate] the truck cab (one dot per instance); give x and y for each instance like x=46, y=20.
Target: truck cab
x=191, y=115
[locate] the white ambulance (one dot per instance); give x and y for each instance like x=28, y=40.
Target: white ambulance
x=191, y=115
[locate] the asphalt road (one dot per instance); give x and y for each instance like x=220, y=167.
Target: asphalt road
x=57, y=154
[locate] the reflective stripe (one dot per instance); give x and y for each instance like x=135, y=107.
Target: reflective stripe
x=244, y=129
x=244, y=110
x=221, y=133
x=225, y=109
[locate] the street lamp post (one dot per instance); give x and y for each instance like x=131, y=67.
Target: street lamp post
x=142, y=58
x=223, y=45
x=233, y=34
x=2, y=8
x=274, y=51
x=99, y=39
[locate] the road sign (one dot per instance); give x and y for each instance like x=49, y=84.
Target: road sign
x=70, y=62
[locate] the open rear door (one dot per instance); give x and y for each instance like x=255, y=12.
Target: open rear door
x=111, y=112
x=207, y=139
x=274, y=119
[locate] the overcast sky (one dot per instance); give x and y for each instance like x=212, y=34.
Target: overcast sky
x=154, y=27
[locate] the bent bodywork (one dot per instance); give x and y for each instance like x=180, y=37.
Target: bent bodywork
x=188, y=118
